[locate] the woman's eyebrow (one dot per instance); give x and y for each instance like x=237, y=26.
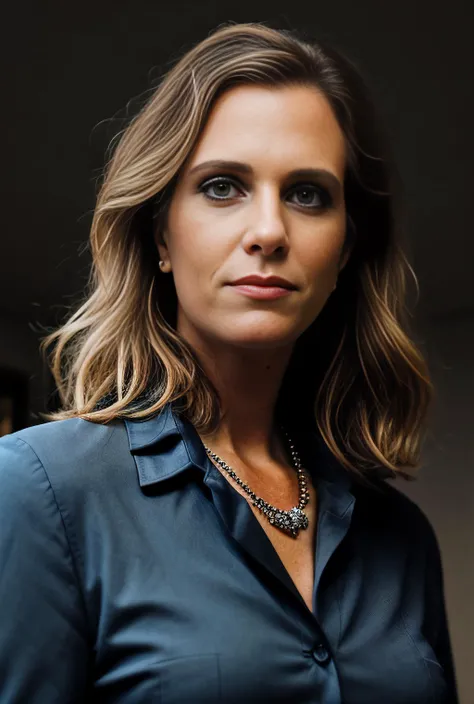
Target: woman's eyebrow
x=247, y=170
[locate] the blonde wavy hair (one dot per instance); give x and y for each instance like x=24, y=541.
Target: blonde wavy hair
x=354, y=373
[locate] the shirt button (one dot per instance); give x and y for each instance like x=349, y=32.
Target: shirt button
x=321, y=654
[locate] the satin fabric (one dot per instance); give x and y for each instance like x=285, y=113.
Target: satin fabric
x=132, y=571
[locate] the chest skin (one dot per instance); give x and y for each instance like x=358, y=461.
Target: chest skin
x=297, y=554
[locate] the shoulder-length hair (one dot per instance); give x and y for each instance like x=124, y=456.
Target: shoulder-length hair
x=354, y=373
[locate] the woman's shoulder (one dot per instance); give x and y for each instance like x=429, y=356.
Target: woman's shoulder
x=71, y=453
x=390, y=510
x=60, y=431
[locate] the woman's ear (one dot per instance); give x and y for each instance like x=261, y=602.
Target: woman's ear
x=160, y=241
x=162, y=203
x=161, y=237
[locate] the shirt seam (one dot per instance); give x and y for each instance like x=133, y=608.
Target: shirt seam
x=74, y=568
x=413, y=642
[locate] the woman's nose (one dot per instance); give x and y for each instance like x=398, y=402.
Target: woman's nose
x=268, y=230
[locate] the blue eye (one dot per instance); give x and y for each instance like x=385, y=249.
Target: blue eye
x=321, y=193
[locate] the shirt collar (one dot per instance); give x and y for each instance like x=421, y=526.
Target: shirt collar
x=174, y=438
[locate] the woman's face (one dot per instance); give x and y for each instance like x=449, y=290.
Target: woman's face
x=230, y=221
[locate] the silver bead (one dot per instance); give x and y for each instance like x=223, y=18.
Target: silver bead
x=291, y=521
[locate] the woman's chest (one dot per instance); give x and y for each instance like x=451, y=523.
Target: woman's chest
x=296, y=553
x=190, y=604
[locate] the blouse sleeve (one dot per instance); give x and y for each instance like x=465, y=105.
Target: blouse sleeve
x=43, y=643
x=436, y=617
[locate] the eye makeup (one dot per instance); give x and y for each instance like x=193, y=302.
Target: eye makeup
x=314, y=189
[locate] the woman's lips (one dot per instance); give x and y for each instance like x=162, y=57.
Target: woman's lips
x=262, y=292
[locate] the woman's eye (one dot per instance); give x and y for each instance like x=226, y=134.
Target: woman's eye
x=313, y=197
x=220, y=184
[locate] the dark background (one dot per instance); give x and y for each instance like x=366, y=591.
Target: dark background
x=73, y=73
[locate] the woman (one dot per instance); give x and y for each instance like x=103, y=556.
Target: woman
x=207, y=519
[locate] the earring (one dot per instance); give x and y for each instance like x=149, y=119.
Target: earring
x=162, y=265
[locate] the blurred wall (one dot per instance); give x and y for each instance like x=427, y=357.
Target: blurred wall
x=19, y=350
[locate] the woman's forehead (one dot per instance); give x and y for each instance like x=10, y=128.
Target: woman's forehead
x=293, y=127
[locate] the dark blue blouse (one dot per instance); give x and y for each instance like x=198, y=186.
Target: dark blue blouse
x=132, y=571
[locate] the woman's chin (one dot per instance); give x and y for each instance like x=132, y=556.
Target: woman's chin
x=261, y=339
